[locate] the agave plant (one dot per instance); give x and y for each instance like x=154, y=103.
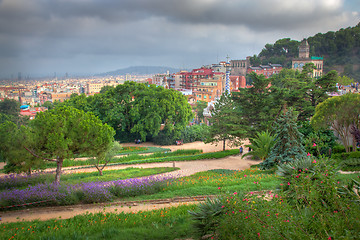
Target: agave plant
x=205, y=216
x=261, y=145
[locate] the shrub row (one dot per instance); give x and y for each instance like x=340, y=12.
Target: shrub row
x=125, y=159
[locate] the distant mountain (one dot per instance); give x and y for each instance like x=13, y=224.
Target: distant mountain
x=141, y=70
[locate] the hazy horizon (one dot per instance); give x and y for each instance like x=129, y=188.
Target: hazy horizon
x=89, y=36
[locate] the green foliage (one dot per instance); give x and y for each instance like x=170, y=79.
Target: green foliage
x=313, y=210
x=317, y=142
x=225, y=124
x=341, y=113
x=345, y=80
x=199, y=108
x=255, y=109
x=64, y=131
x=137, y=110
x=348, y=161
x=288, y=146
x=195, y=133
x=281, y=52
x=351, y=164
x=10, y=107
x=13, y=140
x=204, y=216
x=346, y=155
x=261, y=145
x=338, y=48
x=158, y=224
x=106, y=156
x=10, y=111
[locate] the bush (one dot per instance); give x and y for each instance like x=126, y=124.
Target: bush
x=194, y=133
x=350, y=164
x=313, y=210
x=345, y=155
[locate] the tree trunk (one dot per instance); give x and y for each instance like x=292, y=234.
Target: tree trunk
x=59, y=163
x=224, y=144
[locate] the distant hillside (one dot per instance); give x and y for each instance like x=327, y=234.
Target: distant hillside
x=141, y=70
x=340, y=49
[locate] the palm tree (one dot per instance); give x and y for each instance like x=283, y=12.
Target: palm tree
x=261, y=145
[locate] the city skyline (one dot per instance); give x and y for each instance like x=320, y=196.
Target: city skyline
x=88, y=36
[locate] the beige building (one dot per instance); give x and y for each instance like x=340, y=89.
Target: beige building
x=304, y=58
x=60, y=96
x=239, y=67
x=95, y=87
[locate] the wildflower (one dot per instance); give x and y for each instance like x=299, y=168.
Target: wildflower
x=288, y=183
x=314, y=161
x=219, y=188
x=235, y=193
x=308, y=154
x=314, y=145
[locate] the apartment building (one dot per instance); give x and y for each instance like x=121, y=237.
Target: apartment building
x=208, y=89
x=266, y=70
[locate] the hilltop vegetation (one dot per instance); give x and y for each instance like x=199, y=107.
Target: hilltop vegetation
x=340, y=49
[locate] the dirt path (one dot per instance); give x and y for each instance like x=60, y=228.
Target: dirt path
x=186, y=169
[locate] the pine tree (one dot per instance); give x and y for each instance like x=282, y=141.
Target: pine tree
x=225, y=123
x=288, y=146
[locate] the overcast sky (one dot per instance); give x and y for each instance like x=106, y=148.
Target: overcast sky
x=91, y=36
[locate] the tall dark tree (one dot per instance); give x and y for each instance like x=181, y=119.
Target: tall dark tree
x=288, y=146
x=225, y=125
x=257, y=109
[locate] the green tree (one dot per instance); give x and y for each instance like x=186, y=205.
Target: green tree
x=345, y=80
x=103, y=158
x=261, y=145
x=255, y=105
x=341, y=113
x=64, y=131
x=13, y=141
x=10, y=107
x=300, y=91
x=225, y=124
x=288, y=146
x=10, y=111
x=199, y=109
x=137, y=110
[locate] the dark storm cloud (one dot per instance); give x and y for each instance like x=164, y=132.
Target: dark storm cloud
x=131, y=31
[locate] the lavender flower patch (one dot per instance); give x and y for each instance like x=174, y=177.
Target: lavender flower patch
x=58, y=194
x=93, y=192
x=139, y=186
x=21, y=180
x=55, y=194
